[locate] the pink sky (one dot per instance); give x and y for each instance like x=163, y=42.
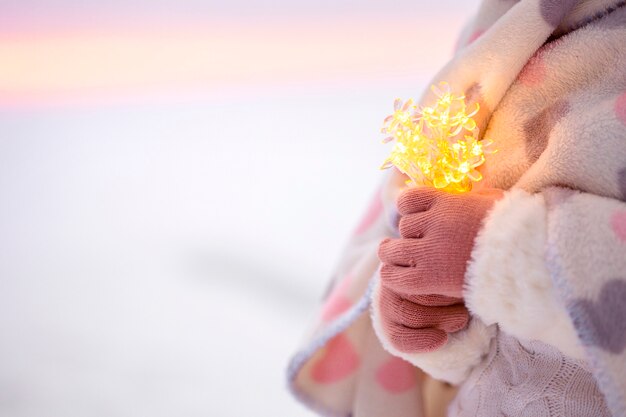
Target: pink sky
x=106, y=61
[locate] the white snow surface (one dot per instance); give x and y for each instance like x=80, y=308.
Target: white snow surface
x=164, y=259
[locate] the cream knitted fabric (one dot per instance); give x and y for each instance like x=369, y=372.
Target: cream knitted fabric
x=530, y=379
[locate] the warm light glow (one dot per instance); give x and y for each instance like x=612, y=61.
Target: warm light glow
x=438, y=145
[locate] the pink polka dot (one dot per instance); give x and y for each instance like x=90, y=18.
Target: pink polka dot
x=338, y=301
x=620, y=108
x=335, y=306
x=477, y=34
x=396, y=375
x=618, y=222
x=534, y=72
x=462, y=42
x=374, y=210
x=339, y=359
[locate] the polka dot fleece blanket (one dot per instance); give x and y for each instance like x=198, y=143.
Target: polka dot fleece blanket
x=546, y=285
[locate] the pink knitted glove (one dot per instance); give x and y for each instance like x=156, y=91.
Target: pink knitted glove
x=423, y=271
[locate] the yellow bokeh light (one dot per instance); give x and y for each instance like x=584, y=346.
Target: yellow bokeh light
x=437, y=145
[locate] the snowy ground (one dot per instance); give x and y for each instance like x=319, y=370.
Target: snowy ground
x=162, y=258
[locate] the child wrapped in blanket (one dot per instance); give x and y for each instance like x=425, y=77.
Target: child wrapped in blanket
x=516, y=291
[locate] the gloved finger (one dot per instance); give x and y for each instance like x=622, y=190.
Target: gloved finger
x=420, y=279
x=409, y=340
x=402, y=311
x=490, y=193
x=415, y=225
x=433, y=300
x=417, y=199
x=401, y=252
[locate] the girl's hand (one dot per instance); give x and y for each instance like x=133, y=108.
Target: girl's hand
x=423, y=271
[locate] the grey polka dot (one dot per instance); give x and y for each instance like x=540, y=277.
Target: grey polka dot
x=613, y=18
x=621, y=182
x=394, y=221
x=553, y=11
x=538, y=128
x=555, y=196
x=601, y=323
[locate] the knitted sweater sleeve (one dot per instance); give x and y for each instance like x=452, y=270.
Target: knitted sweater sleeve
x=551, y=267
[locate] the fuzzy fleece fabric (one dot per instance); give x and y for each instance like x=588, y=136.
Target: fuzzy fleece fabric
x=547, y=281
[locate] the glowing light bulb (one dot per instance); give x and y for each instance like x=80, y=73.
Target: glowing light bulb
x=437, y=145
